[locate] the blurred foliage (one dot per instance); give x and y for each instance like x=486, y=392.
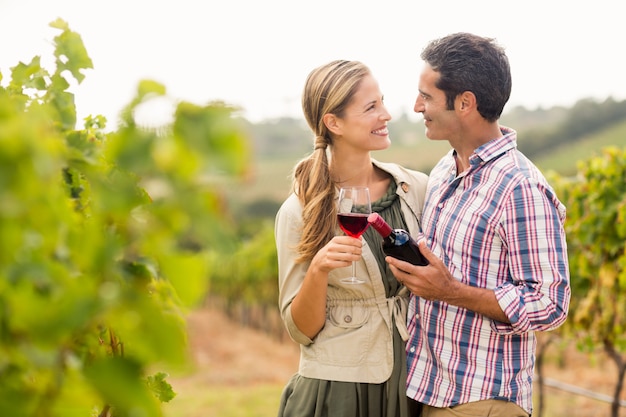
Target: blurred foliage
x=596, y=233
x=105, y=240
x=250, y=274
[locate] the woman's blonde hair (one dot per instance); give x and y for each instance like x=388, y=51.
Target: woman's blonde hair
x=328, y=89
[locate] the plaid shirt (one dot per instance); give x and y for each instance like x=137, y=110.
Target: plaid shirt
x=498, y=225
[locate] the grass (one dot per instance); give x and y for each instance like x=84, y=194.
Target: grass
x=565, y=158
x=225, y=401
x=263, y=400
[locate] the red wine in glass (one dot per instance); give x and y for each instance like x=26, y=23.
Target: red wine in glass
x=353, y=224
x=354, y=207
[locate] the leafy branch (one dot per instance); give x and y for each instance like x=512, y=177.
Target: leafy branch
x=105, y=240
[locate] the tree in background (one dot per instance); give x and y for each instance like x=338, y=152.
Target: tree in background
x=105, y=239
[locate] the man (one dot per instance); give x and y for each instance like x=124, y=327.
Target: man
x=493, y=233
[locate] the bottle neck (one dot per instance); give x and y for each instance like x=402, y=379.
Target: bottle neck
x=379, y=224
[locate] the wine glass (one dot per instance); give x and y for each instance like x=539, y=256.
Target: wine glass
x=354, y=207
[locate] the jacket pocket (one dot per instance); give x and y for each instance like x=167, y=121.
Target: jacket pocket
x=348, y=317
x=346, y=337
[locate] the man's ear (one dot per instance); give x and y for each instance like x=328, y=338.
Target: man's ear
x=466, y=101
x=333, y=124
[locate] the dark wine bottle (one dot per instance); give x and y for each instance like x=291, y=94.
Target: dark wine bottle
x=397, y=242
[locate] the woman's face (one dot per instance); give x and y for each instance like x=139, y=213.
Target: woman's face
x=364, y=124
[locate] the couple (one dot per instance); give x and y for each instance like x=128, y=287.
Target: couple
x=488, y=222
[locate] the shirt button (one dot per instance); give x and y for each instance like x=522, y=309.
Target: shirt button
x=412, y=350
x=347, y=319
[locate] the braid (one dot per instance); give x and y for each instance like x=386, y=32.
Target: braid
x=316, y=191
x=320, y=143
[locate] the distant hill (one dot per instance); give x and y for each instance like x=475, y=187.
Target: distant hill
x=555, y=139
x=564, y=158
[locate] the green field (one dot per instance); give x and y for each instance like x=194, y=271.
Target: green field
x=564, y=159
x=270, y=179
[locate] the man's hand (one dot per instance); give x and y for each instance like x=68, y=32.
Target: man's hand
x=435, y=282
x=431, y=282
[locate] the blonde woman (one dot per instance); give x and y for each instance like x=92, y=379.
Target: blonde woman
x=352, y=337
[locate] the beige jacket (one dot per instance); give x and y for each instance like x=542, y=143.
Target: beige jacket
x=356, y=343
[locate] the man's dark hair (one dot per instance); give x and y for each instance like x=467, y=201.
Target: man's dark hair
x=467, y=62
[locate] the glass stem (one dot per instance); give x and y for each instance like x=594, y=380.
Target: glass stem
x=354, y=269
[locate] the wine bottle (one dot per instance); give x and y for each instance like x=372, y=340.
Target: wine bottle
x=397, y=242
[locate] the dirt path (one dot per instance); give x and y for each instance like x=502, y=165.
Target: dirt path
x=226, y=353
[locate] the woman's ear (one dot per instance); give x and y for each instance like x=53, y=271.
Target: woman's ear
x=333, y=124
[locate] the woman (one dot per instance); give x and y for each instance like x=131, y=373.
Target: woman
x=352, y=337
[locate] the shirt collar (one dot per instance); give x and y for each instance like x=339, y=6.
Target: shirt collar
x=495, y=147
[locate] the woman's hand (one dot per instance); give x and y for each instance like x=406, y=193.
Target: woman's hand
x=340, y=252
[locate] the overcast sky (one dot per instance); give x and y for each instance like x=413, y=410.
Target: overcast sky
x=256, y=54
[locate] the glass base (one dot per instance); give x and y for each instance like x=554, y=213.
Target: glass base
x=352, y=280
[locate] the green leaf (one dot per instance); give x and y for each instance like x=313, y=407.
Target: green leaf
x=160, y=387
x=70, y=51
x=120, y=383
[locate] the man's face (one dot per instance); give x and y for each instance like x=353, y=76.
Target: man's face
x=439, y=122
